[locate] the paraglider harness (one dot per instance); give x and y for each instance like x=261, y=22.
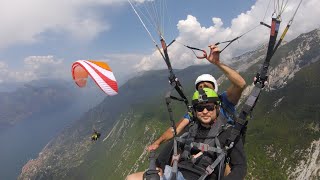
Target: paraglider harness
x=211, y=145
x=240, y=122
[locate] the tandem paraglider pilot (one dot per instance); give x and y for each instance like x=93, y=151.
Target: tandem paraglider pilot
x=203, y=155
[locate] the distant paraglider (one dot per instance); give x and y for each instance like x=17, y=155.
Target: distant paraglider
x=95, y=136
x=99, y=71
x=102, y=75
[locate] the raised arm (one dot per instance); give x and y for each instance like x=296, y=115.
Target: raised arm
x=237, y=82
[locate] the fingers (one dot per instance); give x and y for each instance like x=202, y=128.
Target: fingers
x=214, y=48
x=211, y=46
x=152, y=148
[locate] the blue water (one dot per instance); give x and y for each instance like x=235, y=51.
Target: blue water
x=24, y=141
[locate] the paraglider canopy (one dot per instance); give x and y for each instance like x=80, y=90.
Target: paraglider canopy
x=99, y=71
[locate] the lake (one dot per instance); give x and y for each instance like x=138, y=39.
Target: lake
x=24, y=141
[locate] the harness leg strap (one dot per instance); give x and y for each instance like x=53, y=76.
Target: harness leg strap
x=210, y=169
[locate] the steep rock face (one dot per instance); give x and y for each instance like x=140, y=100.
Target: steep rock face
x=282, y=143
x=247, y=60
x=302, y=52
x=309, y=167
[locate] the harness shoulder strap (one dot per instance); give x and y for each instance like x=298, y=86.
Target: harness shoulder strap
x=221, y=125
x=188, y=140
x=211, y=144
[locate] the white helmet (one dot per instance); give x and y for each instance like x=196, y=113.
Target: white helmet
x=207, y=78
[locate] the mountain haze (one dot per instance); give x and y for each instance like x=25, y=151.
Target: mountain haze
x=30, y=99
x=34, y=113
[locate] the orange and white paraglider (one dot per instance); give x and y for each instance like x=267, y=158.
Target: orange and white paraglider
x=99, y=71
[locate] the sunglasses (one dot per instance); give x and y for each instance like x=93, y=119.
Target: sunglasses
x=200, y=108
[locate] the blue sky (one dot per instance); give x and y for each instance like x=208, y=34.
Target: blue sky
x=41, y=38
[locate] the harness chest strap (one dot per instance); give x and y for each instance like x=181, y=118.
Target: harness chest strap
x=187, y=139
x=206, y=147
x=218, y=127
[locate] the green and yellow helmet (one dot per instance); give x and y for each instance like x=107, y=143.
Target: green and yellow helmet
x=205, y=95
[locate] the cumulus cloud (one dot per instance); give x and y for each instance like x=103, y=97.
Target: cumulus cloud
x=192, y=33
x=25, y=21
x=35, y=67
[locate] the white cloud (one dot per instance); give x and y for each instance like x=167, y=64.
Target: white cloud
x=35, y=67
x=3, y=65
x=192, y=33
x=24, y=21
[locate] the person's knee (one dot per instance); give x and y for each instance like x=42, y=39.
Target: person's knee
x=130, y=177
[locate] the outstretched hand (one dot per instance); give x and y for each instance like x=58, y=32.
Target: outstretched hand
x=214, y=56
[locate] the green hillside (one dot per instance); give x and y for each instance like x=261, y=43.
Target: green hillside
x=278, y=135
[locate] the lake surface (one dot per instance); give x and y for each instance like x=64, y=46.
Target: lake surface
x=24, y=141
